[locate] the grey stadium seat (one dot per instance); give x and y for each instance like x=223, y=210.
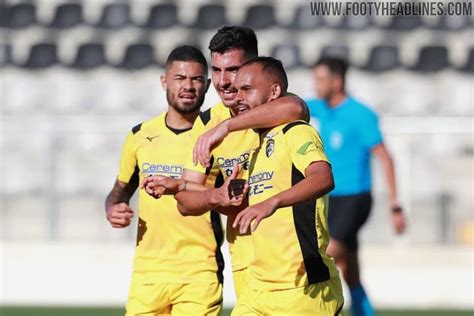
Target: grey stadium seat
x=138, y=56
x=67, y=15
x=404, y=23
x=303, y=20
x=338, y=51
x=20, y=15
x=162, y=16
x=115, y=16
x=260, y=16
x=383, y=58
x=432, y=58
x=5, y=55
x=41, y=56
x=89, y=56
x=289, y=54
x=469, y=66
x=211, y=16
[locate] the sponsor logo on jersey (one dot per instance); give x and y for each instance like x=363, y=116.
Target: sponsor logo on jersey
x=173, y=171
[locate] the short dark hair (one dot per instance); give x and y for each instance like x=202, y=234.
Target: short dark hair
x=187, y=53
x=235, y=37
x=273, y=66
x=335, y=65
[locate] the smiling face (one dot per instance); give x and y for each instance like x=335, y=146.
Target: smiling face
x=186, y=84
x=254, y=87
x=224, y=68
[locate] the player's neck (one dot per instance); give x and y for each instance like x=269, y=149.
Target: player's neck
x=336, y=99
x=178, y=120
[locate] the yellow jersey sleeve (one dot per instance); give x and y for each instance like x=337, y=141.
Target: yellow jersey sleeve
x=305, y=145
x=128, y=160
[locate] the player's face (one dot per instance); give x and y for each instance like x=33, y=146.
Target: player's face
x=324, y=82
x=224, y=68
x=186, y=85
x=254, y=88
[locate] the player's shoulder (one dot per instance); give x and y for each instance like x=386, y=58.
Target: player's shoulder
x=295, y=126
x=153, y=124
x=361, y=108
x=215, y=114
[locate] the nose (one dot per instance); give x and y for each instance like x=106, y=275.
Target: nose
x=224, y=80
x=188, y=84
x=238, y=96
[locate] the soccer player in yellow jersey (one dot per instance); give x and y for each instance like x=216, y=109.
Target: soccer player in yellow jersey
x=178, y=264
x=230, y=47
x=290, y=176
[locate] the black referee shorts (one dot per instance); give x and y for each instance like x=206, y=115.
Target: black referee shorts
x=346, y=216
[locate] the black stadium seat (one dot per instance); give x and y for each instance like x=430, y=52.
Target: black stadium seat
x=432, y=58
x=404, y=23
x=3, y=15
x=67, y=15
x=162, y=16
x=289, y=54
x=260, y=16
x=211, y=16
x=115, y=16
x=21, y=15
x=383, y=58
x=89, y=56
x=469, y=66
x=303, y=20
x=138, y=56
x=41, y=56
x=336, y=51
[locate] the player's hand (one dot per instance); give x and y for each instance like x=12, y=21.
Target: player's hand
x=399, y=222
x=254, y=214
x=207, y=142
x=119, y=215
x=226, y=195
x=156, y=186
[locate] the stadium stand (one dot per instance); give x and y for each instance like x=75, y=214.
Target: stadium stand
x=20, y=15
x=89, y=56
x=163, y=16
x=115, y=16
x=260, y=16
x=41, y=56
x=211, y=16
x=432, y=58
x=382, y=58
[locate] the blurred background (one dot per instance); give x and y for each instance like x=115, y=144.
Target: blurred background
x=76, y=76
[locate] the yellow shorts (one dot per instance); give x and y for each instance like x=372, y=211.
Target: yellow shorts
x=323, y=299
x=174, y=299
x=239, y=277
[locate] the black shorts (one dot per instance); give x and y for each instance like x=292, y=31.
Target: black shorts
x=346, y=216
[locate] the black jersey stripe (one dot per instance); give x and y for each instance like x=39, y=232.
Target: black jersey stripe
x=205, y=116
x=304, y=216
x=208, y=169
x=219, y=236
x=293, y=124
x=136, y=128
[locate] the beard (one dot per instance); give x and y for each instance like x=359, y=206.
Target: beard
x=182, y=108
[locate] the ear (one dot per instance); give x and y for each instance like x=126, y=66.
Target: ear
x=276, y=92
x=164, y=84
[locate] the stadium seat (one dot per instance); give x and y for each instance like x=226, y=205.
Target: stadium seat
x=115, y=16
x=450, y=23
x=260, y=16
x=21, y=15
x=335, y=51
x=469, y=66
x=3, y=15
x=67, y=15
x=432, y=58
x=138, y=56
x=404, y=23
x=41, y=56
x=289, y=54
x=89, y=56
x=303, y=20
x=162, y=16
x=355, y=22
x=382, y=58
x=5, y=55
x=211, y=16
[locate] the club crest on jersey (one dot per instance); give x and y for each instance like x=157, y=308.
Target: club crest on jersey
x=270, y=147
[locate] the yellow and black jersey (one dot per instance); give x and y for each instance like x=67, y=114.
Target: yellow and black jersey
x=237, y=148
x=289, y=246
x=170, y=247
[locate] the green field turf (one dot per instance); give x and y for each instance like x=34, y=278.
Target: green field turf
x=84, y=311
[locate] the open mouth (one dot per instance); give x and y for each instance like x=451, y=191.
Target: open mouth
x=228, y=94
